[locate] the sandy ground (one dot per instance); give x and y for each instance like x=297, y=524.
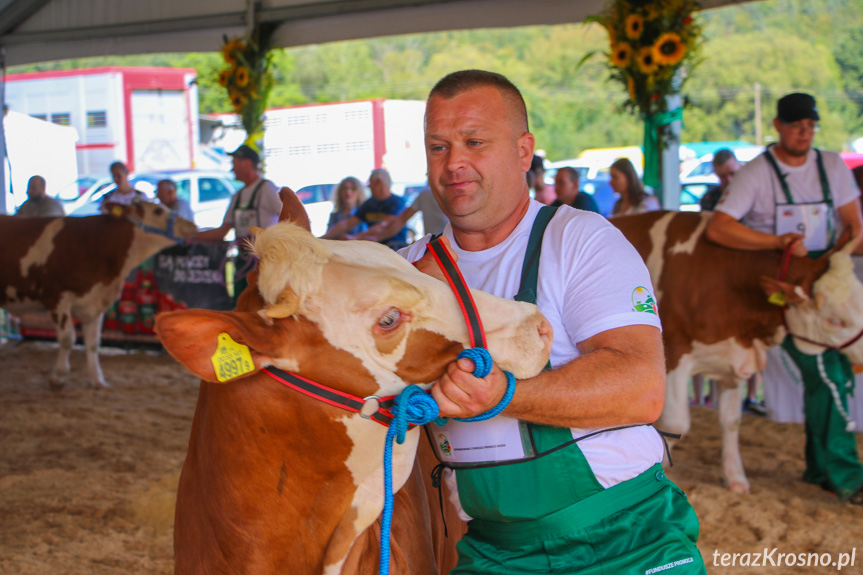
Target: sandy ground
x=88, y=478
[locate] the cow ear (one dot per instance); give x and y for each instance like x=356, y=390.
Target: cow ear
x=781, y=293
x=215, y=346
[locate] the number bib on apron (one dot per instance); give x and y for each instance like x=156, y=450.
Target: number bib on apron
x=814, y=220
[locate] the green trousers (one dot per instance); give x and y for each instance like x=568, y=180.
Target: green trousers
x=831, y=450
x=644, y=525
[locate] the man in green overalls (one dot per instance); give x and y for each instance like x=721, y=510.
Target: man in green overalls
x=798, y=196
x=568, y=479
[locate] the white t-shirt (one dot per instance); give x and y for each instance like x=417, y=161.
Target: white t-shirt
x=267, y=202
x=590, y=280
x=755, y=191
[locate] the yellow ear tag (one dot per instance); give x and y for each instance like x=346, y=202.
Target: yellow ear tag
x=778, y=298
x=117, y=211
x=231, y=359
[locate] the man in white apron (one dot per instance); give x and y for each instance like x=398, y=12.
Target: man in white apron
x=797, y=195
x=256, y=205
x=568, y=479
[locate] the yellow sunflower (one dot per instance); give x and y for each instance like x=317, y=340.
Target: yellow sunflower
x=669, y=49
x=224, y=76
x=241, y=78
x=646, y=61
x=621, y=55
x=630, y=85
x=238, y=100
x=634, y=26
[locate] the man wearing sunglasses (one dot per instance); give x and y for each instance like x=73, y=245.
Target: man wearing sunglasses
x=797, y=197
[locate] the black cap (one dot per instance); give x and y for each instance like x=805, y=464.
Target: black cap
x=796, y=106
x=245, y=152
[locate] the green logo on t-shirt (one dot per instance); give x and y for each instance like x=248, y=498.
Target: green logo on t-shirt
x=642, y=300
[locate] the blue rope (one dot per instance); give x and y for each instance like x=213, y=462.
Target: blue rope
x=412, y=405
x=482, y=362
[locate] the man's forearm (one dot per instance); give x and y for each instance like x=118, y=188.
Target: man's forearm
x=603, y=388
x=726, y=231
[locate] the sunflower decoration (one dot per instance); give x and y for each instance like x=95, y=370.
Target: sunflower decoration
x=650, y=40
x=247, y=79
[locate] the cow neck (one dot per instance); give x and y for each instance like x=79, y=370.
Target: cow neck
x=783, y=272
x=383, y=413
x=168, y=232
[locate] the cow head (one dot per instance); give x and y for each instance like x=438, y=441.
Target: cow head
x=832, y=311
x=355, y=316
x=154, y=218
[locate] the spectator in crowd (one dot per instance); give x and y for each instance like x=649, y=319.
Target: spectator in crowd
x=166, y=191
x=39, y=204
x=542, y=193
x=124, y=193
x=794, y=187
x=349, y=195
x=568, y=194
x=256, y=204
x=434, y=220
x=626, y=183
x=382, y=205
x=725, y=165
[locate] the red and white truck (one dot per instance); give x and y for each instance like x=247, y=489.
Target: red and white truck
x=146, y=117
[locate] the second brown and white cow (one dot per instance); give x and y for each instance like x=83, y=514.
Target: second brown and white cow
x=75, y=267
x=716, y=319
x=278, y=482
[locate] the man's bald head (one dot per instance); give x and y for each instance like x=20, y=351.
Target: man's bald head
x=457, y=83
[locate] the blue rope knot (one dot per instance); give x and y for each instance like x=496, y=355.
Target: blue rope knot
x=482, y=362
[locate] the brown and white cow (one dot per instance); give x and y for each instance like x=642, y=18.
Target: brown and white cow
x=278, y=482
x=75, y=267
x=716, y=319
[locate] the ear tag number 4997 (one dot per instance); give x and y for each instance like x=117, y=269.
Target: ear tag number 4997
x=231, y=359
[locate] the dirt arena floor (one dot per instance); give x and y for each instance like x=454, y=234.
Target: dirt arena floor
x=88, y=478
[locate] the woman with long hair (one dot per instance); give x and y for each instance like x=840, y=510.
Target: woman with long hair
x=349, y=195
x=626, y=183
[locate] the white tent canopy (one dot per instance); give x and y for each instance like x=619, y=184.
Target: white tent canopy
x=45, y=30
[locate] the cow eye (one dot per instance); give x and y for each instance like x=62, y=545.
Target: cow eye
x=390, y=320
x=836, y=323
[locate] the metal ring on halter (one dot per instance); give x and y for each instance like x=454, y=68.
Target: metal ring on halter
x=366, y=403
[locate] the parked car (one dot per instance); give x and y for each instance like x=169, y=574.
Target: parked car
x=101, y=187
x=700, y=170
x=209, y=193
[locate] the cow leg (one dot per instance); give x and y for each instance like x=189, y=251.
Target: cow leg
x=730, y=410
x=92, y=337
x=675, y=415
x=65, y=329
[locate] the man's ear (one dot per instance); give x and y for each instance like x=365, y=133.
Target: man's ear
x=526, y=145
x=790, y=293
x=216, y=346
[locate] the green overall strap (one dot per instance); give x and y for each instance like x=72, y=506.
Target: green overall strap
x=530, y=267
x=822, y=175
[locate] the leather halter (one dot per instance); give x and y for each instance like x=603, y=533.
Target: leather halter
x=783, y=271
x=354, y=403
